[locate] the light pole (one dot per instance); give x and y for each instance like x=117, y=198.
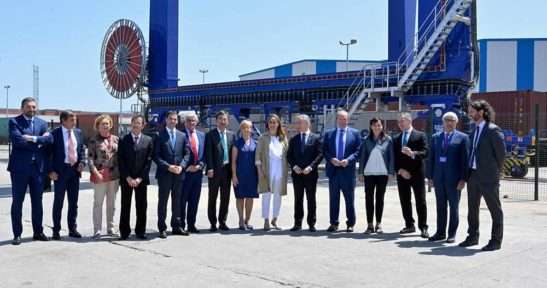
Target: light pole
x=7, y=98
x=351, y=42
x=203, y=71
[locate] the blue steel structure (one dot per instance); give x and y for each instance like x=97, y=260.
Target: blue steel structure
x=445, y=82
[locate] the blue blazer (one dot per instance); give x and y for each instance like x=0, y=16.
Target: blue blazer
x=351, y=152
x=22, y=150
x=164, y=155
x=201, y=148
x=455, y=168
x=57, y=150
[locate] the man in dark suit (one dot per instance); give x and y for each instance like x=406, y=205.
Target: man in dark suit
x=410, y=149
x=191, y=187
x=171, y=154
x=341, y=148
x=485, y=163
x=447, y=172
x=66, y=163
x=218, y=143
x=304, y=155
x=27, y=166
x=135, y=154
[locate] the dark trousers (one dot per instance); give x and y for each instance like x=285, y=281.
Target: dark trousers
x=34, y=180
x=375, y=184
x=169, y=184
x=337, y=183
x=417, y=184
x=220, y=181
x=141, y=204
x=447, y=195
x=191, y=192
x=304, y=184
x=69, y=183
x=490, y=191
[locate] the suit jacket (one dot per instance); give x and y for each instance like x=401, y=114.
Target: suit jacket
x=312, y=155
x=416, y=142
x=201, y=148
x=490, y=153
x=56, y=151
x=165, y=155
x=22, y=150
x=214, y=152
x=457, y=154
x=263, y=158
x=351, y=152
x=134, y=161
x=386, y=146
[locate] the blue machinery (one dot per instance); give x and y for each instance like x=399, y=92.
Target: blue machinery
x=432, y=62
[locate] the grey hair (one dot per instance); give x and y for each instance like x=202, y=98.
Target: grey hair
x=246, y=122
x=186, y=115
x=451, y=115
x=304, y=117
x=406, y=116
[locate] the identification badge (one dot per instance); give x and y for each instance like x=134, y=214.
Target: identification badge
x=442, y=159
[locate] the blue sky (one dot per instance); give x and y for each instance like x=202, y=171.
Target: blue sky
x=229, y=38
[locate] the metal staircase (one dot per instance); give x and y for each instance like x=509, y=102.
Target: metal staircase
x=398, y=77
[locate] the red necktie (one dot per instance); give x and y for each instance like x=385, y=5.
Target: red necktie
x=194, y=146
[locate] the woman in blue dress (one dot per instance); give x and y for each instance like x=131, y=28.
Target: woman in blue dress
x=244, y=174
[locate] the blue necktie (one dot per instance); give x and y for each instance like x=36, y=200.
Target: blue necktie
x=302, y=142
x=173, y=139
x=405, y=138
x=224, y=147
x=340, y=150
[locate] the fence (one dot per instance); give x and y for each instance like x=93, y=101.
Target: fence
x=525, y=167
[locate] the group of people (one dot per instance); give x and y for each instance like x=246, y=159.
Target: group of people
x=450, y=161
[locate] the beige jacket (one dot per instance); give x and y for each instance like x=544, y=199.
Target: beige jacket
x=263, y=161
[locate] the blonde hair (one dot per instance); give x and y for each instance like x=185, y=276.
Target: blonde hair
x=101, y=118
x=245, y=122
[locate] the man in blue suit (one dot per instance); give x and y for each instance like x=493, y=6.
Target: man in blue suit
x=171, y=154
x=191, y=186
x=65, y=168
x=447, y=172
x=341, y=150
x=27, y=166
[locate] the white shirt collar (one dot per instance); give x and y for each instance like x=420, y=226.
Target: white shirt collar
x=26, y=118
x=409, y=131
x=481, y=124
x=136, y=136
x=307, y=132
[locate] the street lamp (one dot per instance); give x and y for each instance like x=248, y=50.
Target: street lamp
x=351, y=42
x=7, y=97
x=203, y=71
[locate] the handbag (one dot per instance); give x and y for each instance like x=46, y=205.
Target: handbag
x=105, y=172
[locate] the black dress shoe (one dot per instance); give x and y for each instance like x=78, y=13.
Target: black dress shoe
x=193, y=229
x=74, y=234
x=451, y=240
x=492, y=245
x=332, y=228
x=424, y=233
x=180, y=231
x=469, y=242
x=163, y=234
x=312, y=229
x=213, y=228
x=56, y=236
x=40, y=237
x=16, y=241
x=296, y=228
x=142, y=236
x=408, y=230
x=123, y=237
x=223, y=227
x=436, y=237
x=349, y=229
